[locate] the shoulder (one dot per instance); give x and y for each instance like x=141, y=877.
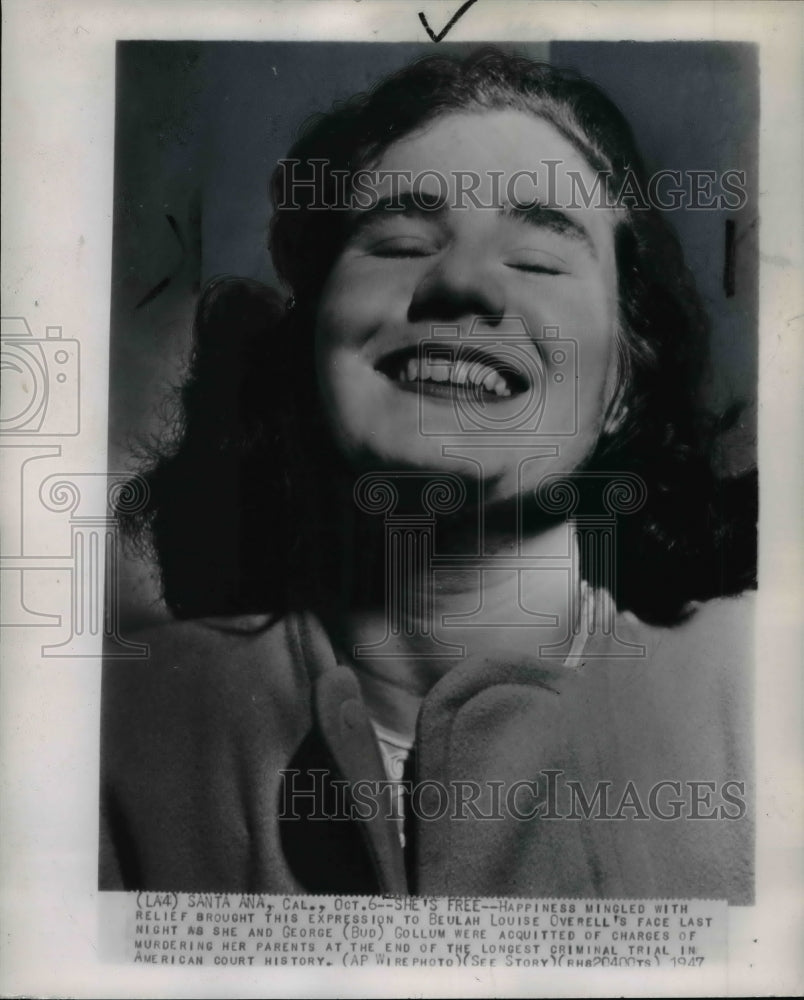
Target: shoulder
x=196, y=666
x=694, y=680
x=704, y=664
x=676, y=702
x=717, y=633
x=208, y=691
x=715, y=628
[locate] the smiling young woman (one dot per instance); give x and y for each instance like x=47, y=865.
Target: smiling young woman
x=401, y=274
x=423, y=324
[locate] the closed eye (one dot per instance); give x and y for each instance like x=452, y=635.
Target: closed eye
x=399, y=246
x=536, y=262
x=535, y=269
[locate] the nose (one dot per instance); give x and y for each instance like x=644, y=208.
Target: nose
x=460, y=283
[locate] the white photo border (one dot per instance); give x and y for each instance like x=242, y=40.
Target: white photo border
x=57, y=187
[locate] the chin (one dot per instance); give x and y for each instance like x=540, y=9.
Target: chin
x=425, y=461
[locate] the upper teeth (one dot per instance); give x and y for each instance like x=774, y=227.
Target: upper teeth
x=458, y=372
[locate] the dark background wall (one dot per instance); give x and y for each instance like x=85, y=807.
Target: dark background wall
x=695, y=106
x=200, y=127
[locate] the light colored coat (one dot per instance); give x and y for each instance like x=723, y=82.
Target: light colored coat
x=195, y=739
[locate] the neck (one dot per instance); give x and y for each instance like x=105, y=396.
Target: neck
x=443, y=614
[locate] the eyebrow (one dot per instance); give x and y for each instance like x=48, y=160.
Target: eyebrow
x=432, y=207
x=542, y=216
x=403, y=203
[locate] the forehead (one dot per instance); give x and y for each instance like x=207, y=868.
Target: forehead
x=491, y=145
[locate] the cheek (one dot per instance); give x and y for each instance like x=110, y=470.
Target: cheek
x=350, y=312
x=340, y=325
x=585, y=314
x=358, y=298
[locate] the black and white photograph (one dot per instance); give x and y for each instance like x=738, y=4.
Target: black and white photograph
x=454, y=508
x=423, y=568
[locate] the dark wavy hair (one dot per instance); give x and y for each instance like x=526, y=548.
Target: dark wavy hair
x=250, y=505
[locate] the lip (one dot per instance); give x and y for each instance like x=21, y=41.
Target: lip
x=391, y=362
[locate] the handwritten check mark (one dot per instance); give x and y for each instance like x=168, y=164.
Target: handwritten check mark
x=439, y=37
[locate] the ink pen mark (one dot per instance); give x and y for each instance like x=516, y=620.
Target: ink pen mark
x=160, y=286
x=175, y=227
x=733, y=241
x=730, y=259
x=440, y=36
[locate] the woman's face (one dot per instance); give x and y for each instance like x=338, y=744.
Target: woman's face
x=467, y=338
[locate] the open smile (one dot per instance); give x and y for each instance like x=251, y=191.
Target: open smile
x=446, y=371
